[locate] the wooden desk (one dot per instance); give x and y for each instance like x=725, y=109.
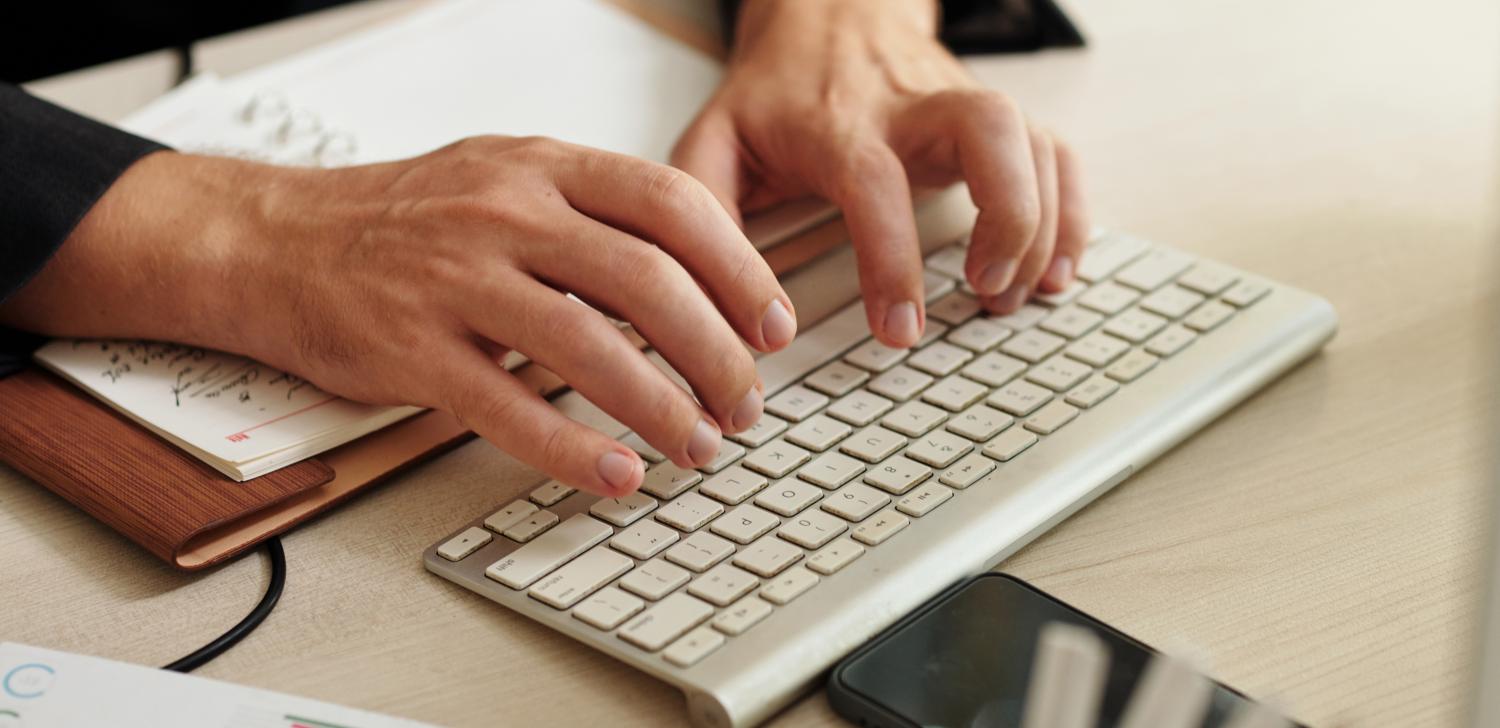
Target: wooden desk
x=1317, y=543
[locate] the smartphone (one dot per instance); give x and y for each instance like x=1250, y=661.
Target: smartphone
x=963, y=660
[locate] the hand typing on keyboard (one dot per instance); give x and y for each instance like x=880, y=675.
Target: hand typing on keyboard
x=855, y=100
x=405, y=282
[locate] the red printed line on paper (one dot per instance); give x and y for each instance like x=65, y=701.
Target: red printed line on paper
x=244, y=434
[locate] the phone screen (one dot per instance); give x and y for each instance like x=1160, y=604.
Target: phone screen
x=967, y=660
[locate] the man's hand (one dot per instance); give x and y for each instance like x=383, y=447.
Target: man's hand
x=856, y=101
x=404, y=283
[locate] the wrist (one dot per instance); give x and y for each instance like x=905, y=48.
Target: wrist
x=759, y=19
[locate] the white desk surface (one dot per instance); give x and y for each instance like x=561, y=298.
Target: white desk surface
x=1317, y=543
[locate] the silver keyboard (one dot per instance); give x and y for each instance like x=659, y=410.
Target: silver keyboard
x=878, y=477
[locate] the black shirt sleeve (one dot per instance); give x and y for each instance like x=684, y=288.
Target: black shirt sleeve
x=54, y=165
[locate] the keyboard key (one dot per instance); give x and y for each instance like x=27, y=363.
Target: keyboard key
x=644, y=540
x=1170, y=341
x=914, y=418
x=509, y=516
x=967, y=471
x=1108, y=255
x=465, y=543
x=1097, y=349
x=1154, y=269
x=994, y=369
x=860, y=408
x=940, y=359
x=873, y=356
x=1009, y=444
x=949, y=261
x=700, y=551
x=580, y=577
x=1108, y=298
x=812, y=529
x=608, y=608
x=979, y=423
x=897, y=475
x=1063, y=297
x=790, y=585
x=1172, y=301
x=1071, y=322
x=954, y=308
x=788, y=497
x=1135, y=325
x=655, y=579
x=728, y=453
x=1208, y=278
x=693, y=646
x=1245, y=293
x=760, y=433
x=776, y=459
x=767, y=557
x=979, y=335
x=723, y=584
x=1131, y=366
x=625, y=510
x=932, y=332
x=1023, y=318
x=795, y=403
x=1092, y=392
x=818, y=433
x=938, y=449
x=641, y=447
x=921, y=501
x=744, y=523
x=1032, y=346
x=733, y=485
x=900, y=383
x=688, y=512
x=1019, y=398
x=934, y=285
x=836, y=379
x=547, y=552
x=1208, y=316
x=835, y=556
x=954, y=393
x=550, y=493
x=742, y=615
x=668, y=620
x=855, y=501
x=831, y=470
x=1059, y=373
x=880, y=527
x=1051, y=418
x=531, y=526
x=667, y=481
x=873, y=444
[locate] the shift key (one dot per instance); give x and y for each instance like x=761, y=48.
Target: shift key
x=669, y=619
x=548, y=551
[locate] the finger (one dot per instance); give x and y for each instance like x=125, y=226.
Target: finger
x=710, y=151
x=1073, y=218
x=592, y=356
x=1039, y=251
x=994, y=156
x=499, y=408
x=867, y=181
x=672, y=209
x=648, y=288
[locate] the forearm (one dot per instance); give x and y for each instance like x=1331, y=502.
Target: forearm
x=748, y=18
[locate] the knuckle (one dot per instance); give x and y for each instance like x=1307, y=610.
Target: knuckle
x=644, y=267
x=556, y=448
x=671, y=190
x=858, y=163
x=989, y=108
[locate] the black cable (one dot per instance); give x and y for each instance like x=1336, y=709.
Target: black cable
x=204, y=654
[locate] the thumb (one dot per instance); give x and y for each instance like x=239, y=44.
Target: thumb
x=710, y=151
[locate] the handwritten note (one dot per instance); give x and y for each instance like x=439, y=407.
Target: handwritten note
x=240, y=416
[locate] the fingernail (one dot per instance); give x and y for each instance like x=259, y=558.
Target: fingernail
x=901, y=323
x=749, y=410
x=704, y=444
x=617, y=469
x=1013, y=297
x=777, y=327
x=1060, y=273
x=995, y=277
